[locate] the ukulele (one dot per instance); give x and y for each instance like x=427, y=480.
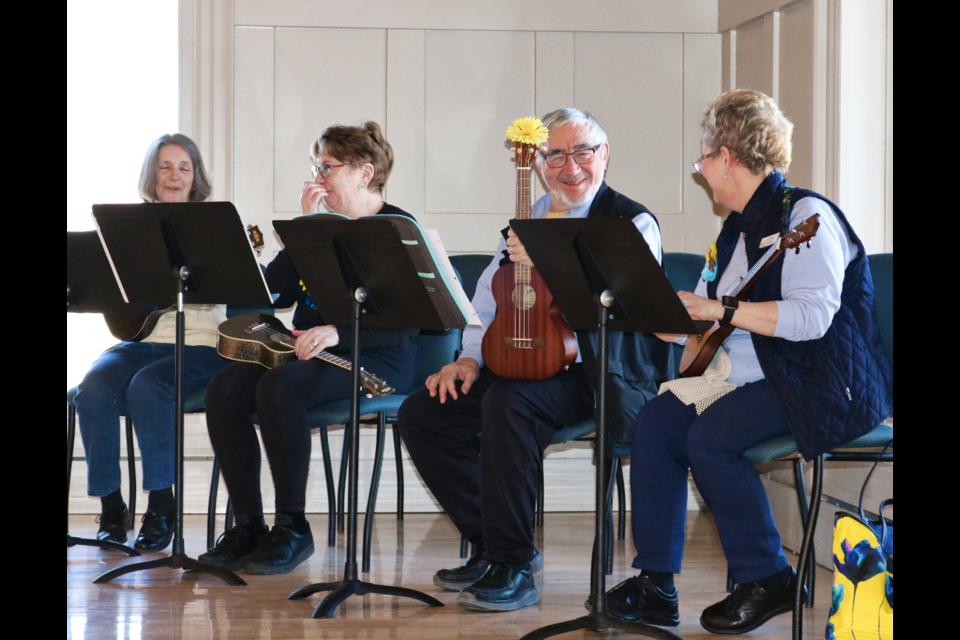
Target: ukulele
x=263, y=340
x=700, y=350
x=134, y=328
x=528, y=339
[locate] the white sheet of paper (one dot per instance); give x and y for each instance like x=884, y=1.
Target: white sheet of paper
x=432, y=237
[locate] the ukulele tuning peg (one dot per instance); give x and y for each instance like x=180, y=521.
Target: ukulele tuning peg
x=809, y=243
x=798, y=251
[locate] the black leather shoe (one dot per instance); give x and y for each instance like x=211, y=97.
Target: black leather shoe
x=281, y=551
x=462, y=577
x=640, y=600
x=155, y=533
x=749, y=607
x=233, y=549
x=502, y=588
x=113, y=526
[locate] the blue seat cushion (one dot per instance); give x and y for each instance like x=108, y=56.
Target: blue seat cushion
x=784, y=446
x=71, y=394
x=337, y=413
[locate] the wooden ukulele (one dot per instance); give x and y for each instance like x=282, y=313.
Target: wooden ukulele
x=262, y=339
x=700, y=350
x=528, y=339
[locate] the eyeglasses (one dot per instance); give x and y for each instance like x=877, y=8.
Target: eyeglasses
x=324, y=170
x=558, y=159
x=698, y=164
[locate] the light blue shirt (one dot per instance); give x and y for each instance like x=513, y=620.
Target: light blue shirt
x=483, y=301
x=811, y=285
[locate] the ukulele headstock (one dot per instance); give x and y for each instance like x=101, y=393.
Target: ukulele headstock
x=525, y=154
x=802, y=233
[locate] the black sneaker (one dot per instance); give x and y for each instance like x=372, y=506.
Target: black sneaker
x=156, y=532
x=281, y=551
x=233, y=549
x=462, y=577
x=113, y=526
x=749, y=607
x=502, y=588
x=640, y=600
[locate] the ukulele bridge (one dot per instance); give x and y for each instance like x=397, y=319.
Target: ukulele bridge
x=524, y=343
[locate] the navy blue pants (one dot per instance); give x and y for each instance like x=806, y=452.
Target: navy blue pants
x=670, y=439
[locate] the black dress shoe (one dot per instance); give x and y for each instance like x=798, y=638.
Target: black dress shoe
x=749, y=607
x=233, y=549
x=155, y=533
x=502, y=588
x=462, y=577
x=280, y=552
x=113, y=526
x=639, y=599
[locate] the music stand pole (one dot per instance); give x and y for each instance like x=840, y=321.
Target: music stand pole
x=351, y=585
x=598, y=619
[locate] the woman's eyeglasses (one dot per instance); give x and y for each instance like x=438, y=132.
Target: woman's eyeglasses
x=324, y=170
x=698, y=164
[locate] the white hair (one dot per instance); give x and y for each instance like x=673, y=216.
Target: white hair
x=576, y=117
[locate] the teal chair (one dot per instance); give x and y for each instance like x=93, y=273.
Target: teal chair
x=869, y=448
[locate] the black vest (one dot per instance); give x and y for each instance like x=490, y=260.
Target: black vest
x=835, y=389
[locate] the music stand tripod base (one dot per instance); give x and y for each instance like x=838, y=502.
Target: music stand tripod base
x=351, y=585
x=174, y=562
x=600, y=623
x=101, y=544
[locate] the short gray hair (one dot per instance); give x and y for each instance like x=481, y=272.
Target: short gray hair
x=201, y=188
x=577, y=117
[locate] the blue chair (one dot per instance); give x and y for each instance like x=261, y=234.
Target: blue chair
x=471, y=266
x=434, y=351
x=869, y=448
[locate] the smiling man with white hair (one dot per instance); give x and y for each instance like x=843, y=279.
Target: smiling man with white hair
x=491, y=497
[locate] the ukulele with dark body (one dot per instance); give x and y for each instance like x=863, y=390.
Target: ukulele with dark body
x=699, y=351
x=528, y=339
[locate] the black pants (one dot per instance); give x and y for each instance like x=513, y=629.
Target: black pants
x=280, y=398
x=481, y=455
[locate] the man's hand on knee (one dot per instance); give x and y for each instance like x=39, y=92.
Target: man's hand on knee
x=466, y=370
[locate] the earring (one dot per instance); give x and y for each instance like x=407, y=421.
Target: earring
x=726, y=174
x=362, y=186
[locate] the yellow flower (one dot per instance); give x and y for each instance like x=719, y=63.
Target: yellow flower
x=528, y=131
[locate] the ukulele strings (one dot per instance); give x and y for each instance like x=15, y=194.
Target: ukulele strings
x=323, y=355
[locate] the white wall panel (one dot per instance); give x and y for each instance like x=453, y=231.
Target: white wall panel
x=797, y=86
x=633, y=84
x=406, y=52
x=555, y=64
x=477, y=84
x=664, y=16
x=889, y=191
x=728, y=60
x=253, y=144
x=323, y=76
x=755, y=56
x=701, y=85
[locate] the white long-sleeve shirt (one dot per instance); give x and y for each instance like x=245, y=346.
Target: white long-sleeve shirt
x=811, y=285
x=483, y=300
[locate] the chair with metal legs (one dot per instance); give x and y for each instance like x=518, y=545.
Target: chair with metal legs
x=868, y=448
x=132, y=472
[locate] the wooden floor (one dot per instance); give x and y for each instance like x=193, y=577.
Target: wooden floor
x=168, y=604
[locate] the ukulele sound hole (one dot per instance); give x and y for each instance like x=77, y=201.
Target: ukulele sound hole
x=524, y=297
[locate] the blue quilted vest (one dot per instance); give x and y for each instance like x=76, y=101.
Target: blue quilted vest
x=837, y=388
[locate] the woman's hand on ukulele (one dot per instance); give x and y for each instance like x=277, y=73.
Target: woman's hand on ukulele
x=701, y=308
x=516, y=251
x=313, y=341
x=310, y=197
x=467, y=370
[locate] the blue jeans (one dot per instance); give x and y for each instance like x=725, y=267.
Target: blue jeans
x=136, y=379
x=669, y=439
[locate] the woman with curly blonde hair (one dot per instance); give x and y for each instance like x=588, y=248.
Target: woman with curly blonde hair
x=804, y=359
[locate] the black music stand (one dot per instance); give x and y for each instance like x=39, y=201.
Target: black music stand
x=603, y=266
x=91, y=288
x=366, y=275
x=190, y=253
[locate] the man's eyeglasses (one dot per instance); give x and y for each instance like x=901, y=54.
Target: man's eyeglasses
x=324, y=170
x=558, y=159
x=698, y=164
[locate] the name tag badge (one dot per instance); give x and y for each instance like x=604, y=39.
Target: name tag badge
x=769, y=240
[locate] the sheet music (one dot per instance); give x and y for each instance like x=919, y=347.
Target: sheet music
x=432, y=237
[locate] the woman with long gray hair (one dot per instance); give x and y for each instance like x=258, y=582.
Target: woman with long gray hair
x=135, y=379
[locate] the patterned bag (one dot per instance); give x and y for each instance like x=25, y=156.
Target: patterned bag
x=862, y=607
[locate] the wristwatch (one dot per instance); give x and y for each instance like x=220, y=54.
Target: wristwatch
x=730, y=306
